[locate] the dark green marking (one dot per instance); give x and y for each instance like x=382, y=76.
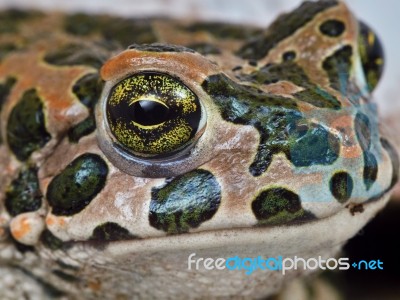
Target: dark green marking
x=5, y=89
x=341, y=186
x=285, y=26
x=276, y=119
x=394, y=157
x=332, y=28
x=88, y=90
x=223, y=30
x=50, y=241
x=157, y=47
x=77, y=54
x=292, y=72
x=370, y=169
x=26, y=131
x=11, y=19
x=372, y=55
x=129, y=31
x=362, y=127
x=338, y=67
x=111, y=231
x=75, y=187
x=185, y=202
x=204, y=48
x=82, y=129
x=83, y=24
x=114, y=29
x=312, y=145
x=23, y=194
x=276, y=206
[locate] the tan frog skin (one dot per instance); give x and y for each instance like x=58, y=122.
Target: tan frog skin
x=127, y=145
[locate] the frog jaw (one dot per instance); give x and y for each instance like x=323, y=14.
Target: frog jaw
x=159, y=260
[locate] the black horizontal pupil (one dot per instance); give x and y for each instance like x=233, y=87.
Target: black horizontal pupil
x=148, y=112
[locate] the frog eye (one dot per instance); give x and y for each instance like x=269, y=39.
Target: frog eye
x=371, y=53
x=153, y=115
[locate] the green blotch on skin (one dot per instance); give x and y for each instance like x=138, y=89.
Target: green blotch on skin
x=362, y=127
x=277, y=206
x=338, y=67
x=50, y=241
x=370, y=172
x=363, y=131
x=82, y=129
x=82, y=24
x=26, y=130
x=223, y=30
x=185, y=202
x=341, y=186
x=204, y=48
x=272, y=116
x=158, y=47
x=114, y=29
x=23, y=194
x=87, y=90
x=292, y=72
x=72, y=190
x=285, y=26
x=5, y=89
x=111, y=231
x=11, y=19
x=313, y=146
x=76, y=54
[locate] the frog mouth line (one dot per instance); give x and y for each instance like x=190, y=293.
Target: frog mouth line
x=318, y=234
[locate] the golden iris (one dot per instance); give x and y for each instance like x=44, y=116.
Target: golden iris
x=153, y=114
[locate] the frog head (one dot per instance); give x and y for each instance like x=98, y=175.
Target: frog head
x=269, y=146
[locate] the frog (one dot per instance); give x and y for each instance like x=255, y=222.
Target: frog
x=130, y=146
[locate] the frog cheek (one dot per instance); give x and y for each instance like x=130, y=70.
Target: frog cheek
x=371, y=54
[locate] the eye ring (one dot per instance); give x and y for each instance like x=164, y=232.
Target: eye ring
x=188, y=156
x=153, y=115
